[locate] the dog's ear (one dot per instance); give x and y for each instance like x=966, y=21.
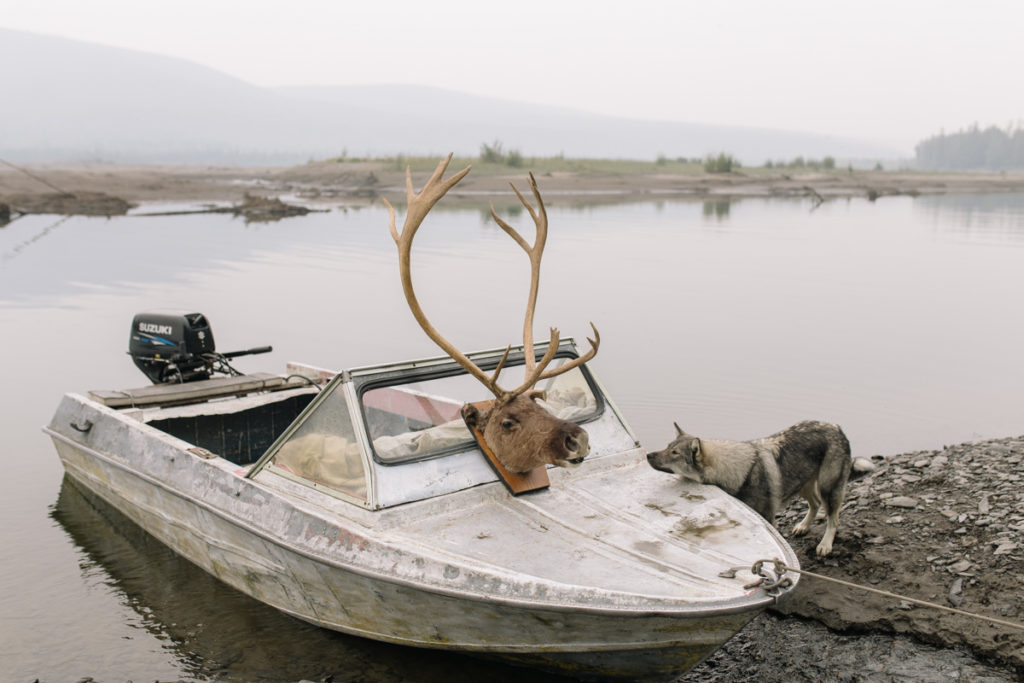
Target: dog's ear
x=679, y=430
x=697, y=454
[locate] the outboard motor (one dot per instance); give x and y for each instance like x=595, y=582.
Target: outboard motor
x=178, y=348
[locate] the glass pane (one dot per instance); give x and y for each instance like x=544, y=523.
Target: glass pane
x=569, y=396
x=421, y=419
x=324, y=449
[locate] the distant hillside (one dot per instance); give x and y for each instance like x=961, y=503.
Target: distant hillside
x=69, y=100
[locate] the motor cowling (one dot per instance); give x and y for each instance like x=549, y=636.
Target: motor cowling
x=172, y=347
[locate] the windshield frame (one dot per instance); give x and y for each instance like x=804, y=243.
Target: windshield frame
x=488, y=363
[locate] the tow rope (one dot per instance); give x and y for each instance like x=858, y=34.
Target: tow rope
x=771, y=577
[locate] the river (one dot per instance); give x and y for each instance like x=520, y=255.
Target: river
x=899, y=319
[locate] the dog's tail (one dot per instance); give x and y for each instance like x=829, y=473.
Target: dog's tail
x=865, y=466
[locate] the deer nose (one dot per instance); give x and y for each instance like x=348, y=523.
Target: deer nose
x=578, y=445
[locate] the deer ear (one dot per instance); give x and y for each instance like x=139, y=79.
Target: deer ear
x=471, y=415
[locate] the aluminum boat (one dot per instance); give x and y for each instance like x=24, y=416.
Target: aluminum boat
x=359, y=501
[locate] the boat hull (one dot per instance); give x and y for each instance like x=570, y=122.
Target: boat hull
x=295, y=558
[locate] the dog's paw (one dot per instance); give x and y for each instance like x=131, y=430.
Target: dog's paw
x=824, y=549
x=801, y=528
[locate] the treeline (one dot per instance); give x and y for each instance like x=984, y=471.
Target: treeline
x=825, y=164
x=974, y=149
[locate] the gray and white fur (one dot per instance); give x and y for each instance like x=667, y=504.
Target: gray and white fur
x=810, y=458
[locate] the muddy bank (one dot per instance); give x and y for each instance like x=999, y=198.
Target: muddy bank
x=354, y=183
x=81, y=203
x=774, y=649
x=942, y=526
x=770, y=650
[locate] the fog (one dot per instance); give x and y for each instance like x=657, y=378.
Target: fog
x=890, y=73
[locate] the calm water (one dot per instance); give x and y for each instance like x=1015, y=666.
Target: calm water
x=899, y=319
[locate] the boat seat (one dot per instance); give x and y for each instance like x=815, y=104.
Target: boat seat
x=413, y=444
x=194, y=392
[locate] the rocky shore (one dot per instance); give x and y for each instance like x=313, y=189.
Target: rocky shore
x=941, y=526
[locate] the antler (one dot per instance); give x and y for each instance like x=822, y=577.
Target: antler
x=418, y=207
x=536, y=371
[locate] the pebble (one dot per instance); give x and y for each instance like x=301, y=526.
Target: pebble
x=956, y=597
x=961, y=566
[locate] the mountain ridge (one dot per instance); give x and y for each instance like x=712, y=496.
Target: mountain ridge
x=79, y=101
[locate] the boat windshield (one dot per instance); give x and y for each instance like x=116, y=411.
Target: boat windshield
x=323, y=450
x=422, y=419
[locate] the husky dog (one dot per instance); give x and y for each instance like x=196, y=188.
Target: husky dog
x=812, y=458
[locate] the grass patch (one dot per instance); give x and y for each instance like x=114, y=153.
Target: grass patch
x=543, y=165
x=494, y=161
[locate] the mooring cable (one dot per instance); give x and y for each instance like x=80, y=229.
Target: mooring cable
x=759, y=569
x=33, y=176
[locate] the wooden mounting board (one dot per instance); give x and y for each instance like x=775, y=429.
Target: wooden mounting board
x=516, y=483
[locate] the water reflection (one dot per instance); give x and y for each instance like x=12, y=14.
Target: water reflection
x=717, y=209
x=215, y=632
x=990, y=218
x=509, y=212
x=15, y=250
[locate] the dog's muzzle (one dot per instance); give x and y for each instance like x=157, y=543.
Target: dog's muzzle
x=654, y=460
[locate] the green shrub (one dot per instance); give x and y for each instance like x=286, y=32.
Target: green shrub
x=723, y=163
x=492, y=153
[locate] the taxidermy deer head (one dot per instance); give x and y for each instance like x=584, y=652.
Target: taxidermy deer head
x=521, y=433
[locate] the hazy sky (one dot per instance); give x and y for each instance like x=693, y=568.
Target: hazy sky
x=894, y=71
